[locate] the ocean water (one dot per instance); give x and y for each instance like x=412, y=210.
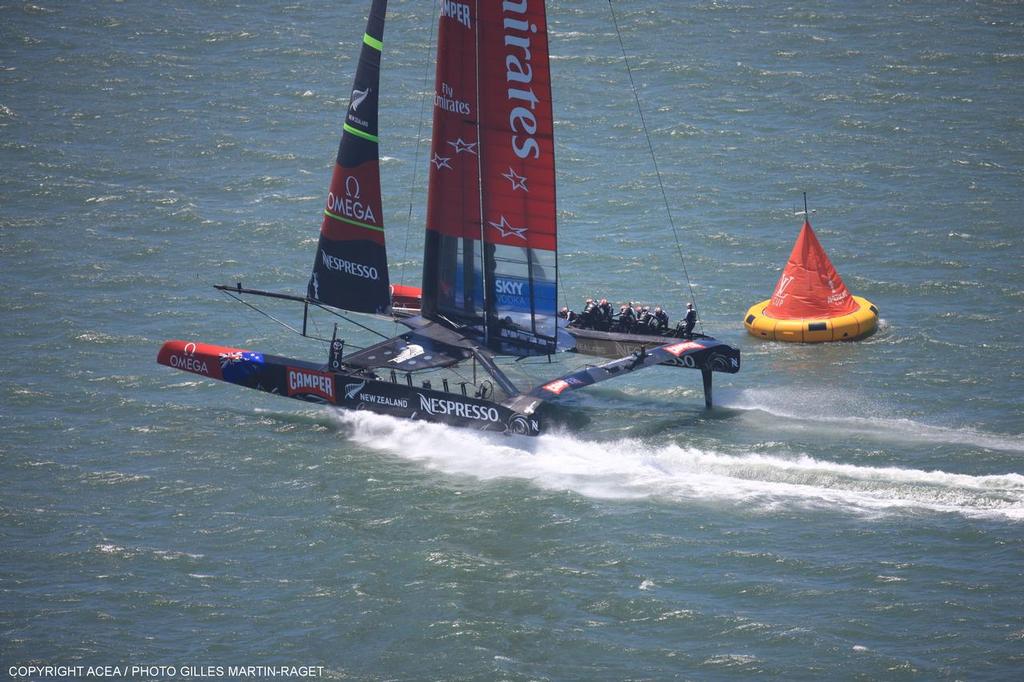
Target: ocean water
x=849, y=511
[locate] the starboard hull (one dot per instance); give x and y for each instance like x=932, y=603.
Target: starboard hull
x=312, y=382
x=715, y=355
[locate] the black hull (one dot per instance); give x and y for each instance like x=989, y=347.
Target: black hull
x=312, y=382
x=719, y=358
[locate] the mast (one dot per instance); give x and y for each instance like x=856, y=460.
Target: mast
x=484, y=269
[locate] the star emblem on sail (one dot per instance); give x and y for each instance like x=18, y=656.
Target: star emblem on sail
x=506, y=229
x=518, y=181
x=357, y=98
x=441, y=161
x=461, y=145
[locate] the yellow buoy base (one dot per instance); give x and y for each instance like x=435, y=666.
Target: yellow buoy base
x=857, y=325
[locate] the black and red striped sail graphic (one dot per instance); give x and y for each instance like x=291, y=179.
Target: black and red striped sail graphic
x=351, y=268
x=490, y=252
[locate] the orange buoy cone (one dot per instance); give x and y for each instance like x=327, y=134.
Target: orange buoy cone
x=811, y=303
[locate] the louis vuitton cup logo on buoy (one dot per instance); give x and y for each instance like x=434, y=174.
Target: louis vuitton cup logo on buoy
x=780, y=291
x=836, y=296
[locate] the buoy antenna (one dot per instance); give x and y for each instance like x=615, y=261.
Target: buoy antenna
x=805, y=213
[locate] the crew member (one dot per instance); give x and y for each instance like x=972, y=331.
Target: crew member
x=627, y=318
x=660, y=319
x=644, y=321
x=688, y=322
x=568, y=315
x=587, y=317
x=605, y=318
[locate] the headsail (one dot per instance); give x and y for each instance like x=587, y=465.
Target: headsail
x=351, y=268
x=490, y=252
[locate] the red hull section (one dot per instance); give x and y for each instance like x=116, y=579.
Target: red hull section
x=199, y=358
x=403, y=296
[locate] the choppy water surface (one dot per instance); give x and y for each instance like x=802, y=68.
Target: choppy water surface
x=848, y=511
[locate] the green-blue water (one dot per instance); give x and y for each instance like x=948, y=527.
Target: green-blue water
x=849, y=511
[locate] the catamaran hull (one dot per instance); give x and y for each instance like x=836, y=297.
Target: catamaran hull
x=311, y=382
x=712, y=354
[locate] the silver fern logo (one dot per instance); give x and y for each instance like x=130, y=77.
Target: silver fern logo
x=357, y=98
x=352, y=390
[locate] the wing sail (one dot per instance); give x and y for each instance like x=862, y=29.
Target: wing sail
x=350, y=270
x=490, y=252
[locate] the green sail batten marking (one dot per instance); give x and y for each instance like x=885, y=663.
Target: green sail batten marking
x=373, y=42
x=360, y=133
x=352, y=222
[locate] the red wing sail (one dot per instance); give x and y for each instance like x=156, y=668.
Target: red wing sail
x=518, y=164
x=351, y=268
x=452, y=272
x=489, y=259
x=809, y=286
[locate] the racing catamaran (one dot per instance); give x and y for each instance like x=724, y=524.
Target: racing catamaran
x=490, y=269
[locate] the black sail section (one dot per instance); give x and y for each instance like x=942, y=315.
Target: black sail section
x=350, y=270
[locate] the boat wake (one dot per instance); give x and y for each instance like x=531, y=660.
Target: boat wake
x=632, y=469
x=803, y=409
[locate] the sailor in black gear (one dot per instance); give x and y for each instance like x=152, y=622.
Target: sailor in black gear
x=627, y=319
x=605, y=318
x=589, y=314
x=660, y=320
x=686, y=326
x=568, y=315
x=644, y=323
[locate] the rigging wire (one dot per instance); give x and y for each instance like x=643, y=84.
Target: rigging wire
x=419, y=138
x=262, y=312
x=654, y=159
x=332, y=311
x=296, y=331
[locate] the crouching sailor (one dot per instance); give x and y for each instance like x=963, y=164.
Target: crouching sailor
x=685, y=328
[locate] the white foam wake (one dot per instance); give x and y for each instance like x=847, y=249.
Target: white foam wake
x=630, y=468
x=847, y=417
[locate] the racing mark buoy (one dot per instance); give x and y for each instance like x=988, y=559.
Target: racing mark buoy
x=811, y=303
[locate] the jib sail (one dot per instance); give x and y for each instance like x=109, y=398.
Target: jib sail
x=351, y=268
x=490, y=251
